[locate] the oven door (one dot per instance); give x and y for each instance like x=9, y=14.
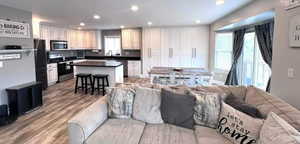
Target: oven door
x=65, y=71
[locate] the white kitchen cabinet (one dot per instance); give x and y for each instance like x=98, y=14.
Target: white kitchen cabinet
x=77, y=39
x=195, y=41
x=151, y=49
x=52, y=74
x=131, y=39
x=134, y=68
x=45, y=35
x=171, y=48
x=175, y=47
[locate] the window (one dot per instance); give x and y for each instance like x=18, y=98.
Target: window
x=223, y=52
x=112, y=45
x=252, y=69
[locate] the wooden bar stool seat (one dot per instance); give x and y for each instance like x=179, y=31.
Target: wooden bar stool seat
x=104, y=83
x=84, y=82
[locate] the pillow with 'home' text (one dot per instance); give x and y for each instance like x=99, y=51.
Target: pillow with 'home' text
x=238, y=127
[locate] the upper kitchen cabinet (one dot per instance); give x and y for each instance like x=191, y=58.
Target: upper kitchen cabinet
x=131, y=39
x=77, y=39
x=82, y=39
x=45, y=34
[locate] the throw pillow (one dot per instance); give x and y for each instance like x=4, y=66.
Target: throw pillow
x=120, y=102
x=238, y=127
x=277, y=131
x=242, y=106
x=207, y=109
x=177, y=108
x=146, y=105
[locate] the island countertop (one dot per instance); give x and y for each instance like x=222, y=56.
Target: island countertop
x=107, y=63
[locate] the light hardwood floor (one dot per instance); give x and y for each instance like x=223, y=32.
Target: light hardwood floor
x=48, y=124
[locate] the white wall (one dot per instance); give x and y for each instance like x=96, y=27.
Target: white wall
x=284, y=57
x=15, y=72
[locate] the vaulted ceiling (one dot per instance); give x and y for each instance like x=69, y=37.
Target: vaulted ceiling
x=114, y=13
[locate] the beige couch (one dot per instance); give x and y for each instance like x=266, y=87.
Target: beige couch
x=92, y=125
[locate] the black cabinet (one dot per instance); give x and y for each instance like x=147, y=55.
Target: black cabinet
x=24, y=98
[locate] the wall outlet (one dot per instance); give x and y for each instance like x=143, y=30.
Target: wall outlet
x=291, y=73
x=1, y=64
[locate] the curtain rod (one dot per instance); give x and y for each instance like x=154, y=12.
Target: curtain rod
x=247, y=26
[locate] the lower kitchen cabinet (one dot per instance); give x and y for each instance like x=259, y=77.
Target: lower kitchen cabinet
x=52, y=73
x=134, y=68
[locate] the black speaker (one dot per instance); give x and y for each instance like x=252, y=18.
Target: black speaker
x=3, y=110
x=5, y=119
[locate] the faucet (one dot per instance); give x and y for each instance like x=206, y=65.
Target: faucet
x=109, y=53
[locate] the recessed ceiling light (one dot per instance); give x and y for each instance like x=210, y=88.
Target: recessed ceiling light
x=79, y=28
x=134, y=8
x=220, y=2
x=122, y=26
x=197, y=21
x=96, y=16
x=82, y=24
x=149, y=23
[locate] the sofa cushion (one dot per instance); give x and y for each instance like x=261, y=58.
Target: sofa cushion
x=177, y=109
x=146, y=105
x=205, y=135
x=167, y=134
x=277, y=131
x=267, y=103
x=120, y=102
x=117, y=131
x=207, y=109
x=238, y=91
x=237, y=126
x=242, y=106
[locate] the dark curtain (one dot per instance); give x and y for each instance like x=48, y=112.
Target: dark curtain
x=264, y=35
x=238, y=42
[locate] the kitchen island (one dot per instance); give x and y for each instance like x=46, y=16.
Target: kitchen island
x=112, y=68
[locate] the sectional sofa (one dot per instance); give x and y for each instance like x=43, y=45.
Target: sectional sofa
x=93, y=126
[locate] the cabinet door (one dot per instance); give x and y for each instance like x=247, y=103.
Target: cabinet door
x=171, y=48
x=151, y=49
x=186, y=43
x=155, y=47
x=126, y=39
x=136, y=39
x=134, y=68
x=73, y=39
x=79, y=39
x=49, y=78
x=200, y=44
x=93, y=40
x=45, y=35
x=55, y=74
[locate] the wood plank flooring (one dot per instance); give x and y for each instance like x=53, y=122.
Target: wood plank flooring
x=48, y=124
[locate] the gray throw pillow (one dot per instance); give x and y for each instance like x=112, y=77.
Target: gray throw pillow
x=120, y=102
x=146, y=105
x=242, y=106
x=177, y=108
x=207, y=109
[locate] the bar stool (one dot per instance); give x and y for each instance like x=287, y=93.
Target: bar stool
x=104, y=78
x=84, y=82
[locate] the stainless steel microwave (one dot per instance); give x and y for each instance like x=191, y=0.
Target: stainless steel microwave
x=58, y=45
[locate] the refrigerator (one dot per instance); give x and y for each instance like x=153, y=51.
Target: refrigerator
x=41, y=62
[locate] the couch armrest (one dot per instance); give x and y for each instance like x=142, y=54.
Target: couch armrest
x=82, y=125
